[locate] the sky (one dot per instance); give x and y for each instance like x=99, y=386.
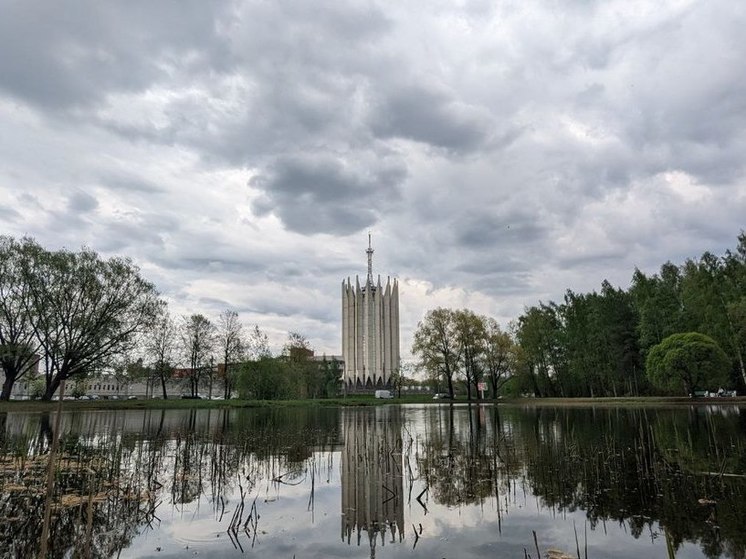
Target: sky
x=499, y=152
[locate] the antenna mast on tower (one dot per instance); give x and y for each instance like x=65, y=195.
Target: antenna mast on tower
x=369, y=252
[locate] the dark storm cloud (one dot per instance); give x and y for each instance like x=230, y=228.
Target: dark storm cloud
x=422, y=115
x=81, y=203
x=130, y=183
x=74, y=54
x=480, y=230
x=121, y=236
x=315, y=194
x=8, y=213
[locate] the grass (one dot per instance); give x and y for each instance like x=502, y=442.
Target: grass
x=356, y=400
x=178, y=403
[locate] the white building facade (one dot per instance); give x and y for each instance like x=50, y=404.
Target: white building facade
x=370, y=331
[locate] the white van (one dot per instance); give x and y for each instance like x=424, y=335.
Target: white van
x=385, y=394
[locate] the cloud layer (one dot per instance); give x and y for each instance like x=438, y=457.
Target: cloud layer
x=500, y=152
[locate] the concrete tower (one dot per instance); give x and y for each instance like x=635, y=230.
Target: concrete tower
x=370, y=330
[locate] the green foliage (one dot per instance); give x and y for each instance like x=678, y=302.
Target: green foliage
x=79, y=310
x=499, y=356
x=268, y=378
x=36, y=388
x=78, y=388
x=689, y=361
x=293, y=376
x=436, y=347
x=540, y=336
x=18, y=343
x=596, y=344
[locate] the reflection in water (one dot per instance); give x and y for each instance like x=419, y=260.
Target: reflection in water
x=447, y=481
x=372, y=495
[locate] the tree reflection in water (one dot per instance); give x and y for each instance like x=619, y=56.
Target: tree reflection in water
x=110, y=483
x=681, y=469
x=672, y=474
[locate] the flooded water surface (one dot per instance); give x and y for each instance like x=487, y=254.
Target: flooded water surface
x=389, y=482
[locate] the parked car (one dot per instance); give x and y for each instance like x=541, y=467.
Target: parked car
x=385, y=394
x=442, y=396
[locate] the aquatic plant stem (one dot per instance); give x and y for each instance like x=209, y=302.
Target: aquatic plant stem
x=50, y=476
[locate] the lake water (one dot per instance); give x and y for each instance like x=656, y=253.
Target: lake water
x=388, y=482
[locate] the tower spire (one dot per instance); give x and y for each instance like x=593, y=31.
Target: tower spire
x=369, y=252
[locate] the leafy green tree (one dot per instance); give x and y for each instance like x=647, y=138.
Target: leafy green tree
x=601, y=343
x=471, y=337
x=331, y=377
x=539, y=333
x=85, y=311
x=499, y=356
x=308, y=377
x=267, y=378
x=690, y=360
x=436, y=345
x=733, y=287
x=660, y=305
x=19, y=346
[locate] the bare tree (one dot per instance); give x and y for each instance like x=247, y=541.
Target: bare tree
x=231, y=345
x=160, y=346
x=257, y=345
x=198, y=341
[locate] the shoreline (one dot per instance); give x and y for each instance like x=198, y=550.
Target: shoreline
x=351, y=401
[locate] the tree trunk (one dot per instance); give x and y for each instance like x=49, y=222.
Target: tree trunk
x=7, y=386
x=449, y=379
x=740, y=362
x=163, y=385
x=52, y=385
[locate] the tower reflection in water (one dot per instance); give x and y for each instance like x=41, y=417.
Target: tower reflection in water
x=372, y=494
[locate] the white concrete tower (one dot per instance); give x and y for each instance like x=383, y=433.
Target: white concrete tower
x=370, y=330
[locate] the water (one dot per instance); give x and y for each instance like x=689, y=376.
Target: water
x=388, y=482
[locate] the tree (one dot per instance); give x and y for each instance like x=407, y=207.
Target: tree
x=690, y=360
x=160, y=346
x=471, y=336
x=257, y=345
x=331, y=377
x=436, y=345
x=397, y=380
x=231, y=345
x=539, y=333
x=19, y=346
x=306, y=374
x=197, y=340
x=498, y=355
x=659, y=305
x=84, y=310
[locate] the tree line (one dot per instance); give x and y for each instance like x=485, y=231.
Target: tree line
x=678, y=331
x=75, y=314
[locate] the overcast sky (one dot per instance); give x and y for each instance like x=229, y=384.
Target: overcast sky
x=500, y=152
